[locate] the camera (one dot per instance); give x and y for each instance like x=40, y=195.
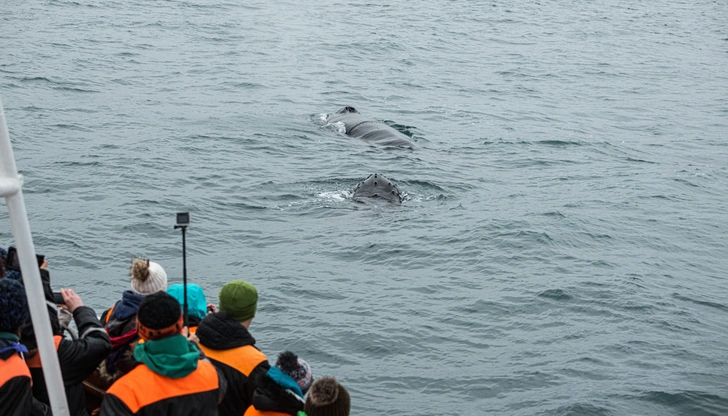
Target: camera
x=12, y=261
x=183, y=219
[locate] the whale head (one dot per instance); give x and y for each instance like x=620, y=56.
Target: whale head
x=347, y=110
x=378, y=186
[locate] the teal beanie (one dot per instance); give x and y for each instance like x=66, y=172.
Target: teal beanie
x=196, y=303
x=239, y=299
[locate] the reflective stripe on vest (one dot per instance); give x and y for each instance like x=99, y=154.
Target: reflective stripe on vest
x=13, y=367
x=34, y=361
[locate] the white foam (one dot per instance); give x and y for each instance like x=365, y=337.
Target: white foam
x=339, y=126
x=335, y=195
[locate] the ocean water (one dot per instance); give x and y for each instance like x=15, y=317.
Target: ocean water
x=562, y=249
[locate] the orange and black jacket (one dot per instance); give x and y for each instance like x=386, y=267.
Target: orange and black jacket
x=16, y=392
x=231, y=348
x=143, y=392
x=78, y=359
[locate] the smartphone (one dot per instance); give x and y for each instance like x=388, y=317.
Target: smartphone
x=58, y=298
x=12, y=261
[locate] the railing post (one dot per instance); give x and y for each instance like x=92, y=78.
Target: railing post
x=11, y=189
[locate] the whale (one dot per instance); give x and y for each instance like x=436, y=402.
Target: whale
x=377, y=186
x=369, y=130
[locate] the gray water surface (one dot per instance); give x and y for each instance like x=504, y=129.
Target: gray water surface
x=563, y=247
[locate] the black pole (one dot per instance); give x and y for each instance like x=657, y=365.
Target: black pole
x=184, y=272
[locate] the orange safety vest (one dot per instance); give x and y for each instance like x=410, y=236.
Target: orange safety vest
x=243, y=359
x=13, y=367
x=108, y=314
x=252, y=411
x=34, y=361
x=142, y=386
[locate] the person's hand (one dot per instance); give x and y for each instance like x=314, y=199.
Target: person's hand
x=44, y=266
x=211, y=308
x=190, y=337
x=71, y=300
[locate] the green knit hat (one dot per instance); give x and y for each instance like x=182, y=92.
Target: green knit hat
x=239, y=299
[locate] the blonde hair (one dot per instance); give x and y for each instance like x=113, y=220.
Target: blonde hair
x=140, y=269
x=147, y=277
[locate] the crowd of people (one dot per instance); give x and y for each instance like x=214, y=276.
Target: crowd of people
x=139, y=357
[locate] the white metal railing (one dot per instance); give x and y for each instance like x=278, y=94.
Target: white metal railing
x=11, y=188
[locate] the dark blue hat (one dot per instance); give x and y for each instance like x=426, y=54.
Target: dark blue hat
x=13, y=305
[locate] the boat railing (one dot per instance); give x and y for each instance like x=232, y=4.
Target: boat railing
x=11, y=189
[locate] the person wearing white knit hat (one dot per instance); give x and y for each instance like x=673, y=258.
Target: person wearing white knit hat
x=147, y=277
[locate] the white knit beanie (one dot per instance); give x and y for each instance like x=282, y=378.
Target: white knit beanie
x=147, y=277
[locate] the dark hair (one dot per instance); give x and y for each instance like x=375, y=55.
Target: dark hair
x=2, y=269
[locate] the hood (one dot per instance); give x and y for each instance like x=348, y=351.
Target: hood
x=221, y=332
x=128, y=306
x=173, y=356
x=196, y=303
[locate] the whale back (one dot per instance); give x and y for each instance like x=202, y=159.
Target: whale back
x=378, y=186
x=350, y=120
x=372, y=131
x=379, y=133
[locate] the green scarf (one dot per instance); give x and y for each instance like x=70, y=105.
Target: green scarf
x=172, y=356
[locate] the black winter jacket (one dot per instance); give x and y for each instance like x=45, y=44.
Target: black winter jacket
x=231, y=348
x=78, y=359
x=269, y=396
